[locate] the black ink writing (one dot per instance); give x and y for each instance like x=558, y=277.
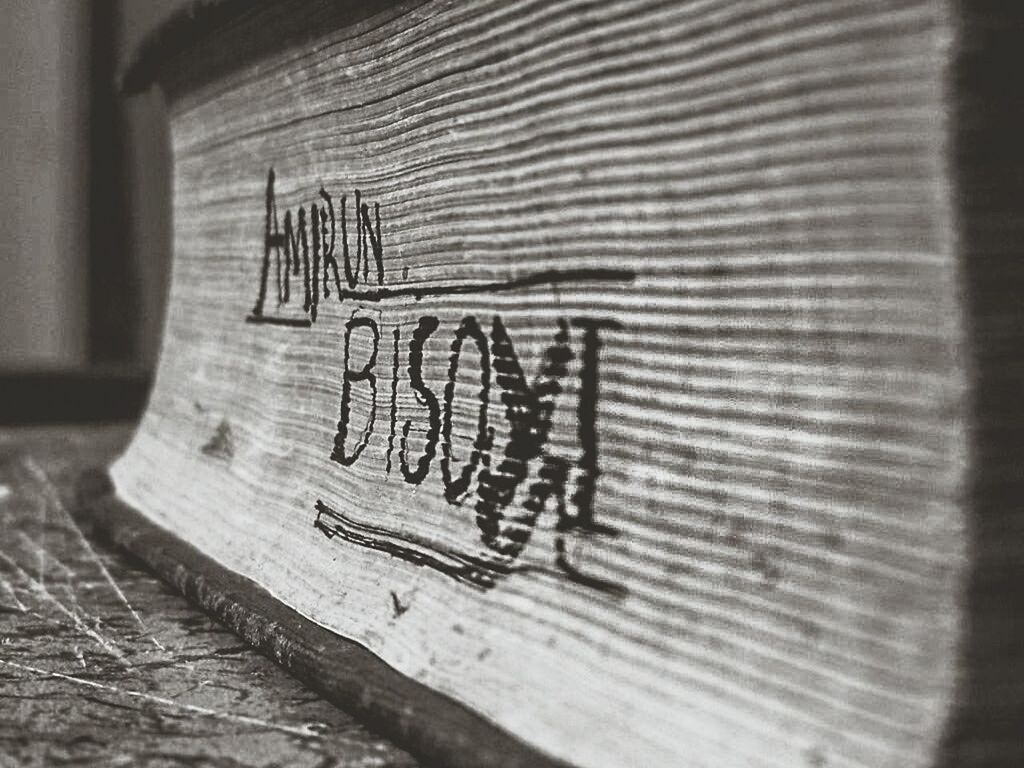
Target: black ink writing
x=309, y=230
x=510, y=486
x=456, y=489
x=350, y=377
x=425, y=396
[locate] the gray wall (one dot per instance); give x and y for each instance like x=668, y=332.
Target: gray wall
x=61, y=286
x=148, y=182
x=43, y=193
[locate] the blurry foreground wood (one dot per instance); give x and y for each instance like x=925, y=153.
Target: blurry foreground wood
x=101, y=664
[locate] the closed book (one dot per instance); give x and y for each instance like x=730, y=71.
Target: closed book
x=640, y=376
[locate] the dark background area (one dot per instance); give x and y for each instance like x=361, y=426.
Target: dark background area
x=85, y=235
x=85, y=231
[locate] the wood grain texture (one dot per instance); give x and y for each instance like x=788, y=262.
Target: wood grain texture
x=101, y=664
x=775, y=569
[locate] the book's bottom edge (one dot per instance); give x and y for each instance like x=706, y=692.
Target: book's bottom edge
x=430, y=725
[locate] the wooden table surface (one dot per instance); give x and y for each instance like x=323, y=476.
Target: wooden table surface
x=101, y=663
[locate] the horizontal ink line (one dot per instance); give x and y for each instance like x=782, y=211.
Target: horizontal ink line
x=382, y=293
x=294, y=322
x=469, y=570
x=474, y=571
x=548, y=277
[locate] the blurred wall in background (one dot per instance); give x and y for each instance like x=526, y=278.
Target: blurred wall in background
x=44, y=154
x=148, y=180
x=85, y=230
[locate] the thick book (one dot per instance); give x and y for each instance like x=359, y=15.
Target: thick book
x=641, y=376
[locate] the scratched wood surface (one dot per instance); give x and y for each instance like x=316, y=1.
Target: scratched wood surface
x=601, y=365
x=102, y=664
